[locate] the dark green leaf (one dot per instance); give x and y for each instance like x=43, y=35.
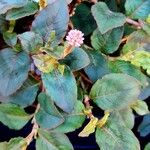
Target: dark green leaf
x=26, y=43
x=120, y=66
x=144, y=127
x=77, y=60
x=48, y=116
x=61, y=88
x=5, y=5
x=14, y=69
x=83, y=19
x=106, y=19
x=54, y=17
x=10, y=38
x=115, y=91
x=52, y=141
x=29, y=9
x=25, y=96
x=137, y=9
x=108, y=42
x=3, y=24
x=13, y=116
x=98, y=66
x=115, y=136
x=74, y=120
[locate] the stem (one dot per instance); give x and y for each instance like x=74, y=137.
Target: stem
x=88, y=110
x=94, y=1
x=35, y=127
x=135, y=23
x=85, y=78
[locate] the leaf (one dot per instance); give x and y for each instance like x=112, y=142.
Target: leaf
x=5, y=5
x=14, y=144
x=44, y=62
x=25, y=96
x=14, y=69
x=3, y=146
x=77, y=59
x=112, y=91
x=54, y=17
x=74, y=120
x=26, y=38
x=61, y=88
x=89, y=128
x=144, y=127
x=147, y=147
x=106, y=19
x=115, y=136
x=10, y=38
x=18, y=143
x=137, y=9
x=120, y=66
x=3, y=24
x=52, y=141
x=29, y=9
x=140, y=107
x=142, y=59
x=83, y=19
x=98, y=66
x=48, y=116
x=124, y=116
x=109, y=42
x=135, y=42
x=13, y=116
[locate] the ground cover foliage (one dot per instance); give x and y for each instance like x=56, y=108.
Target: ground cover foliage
x=72, y=57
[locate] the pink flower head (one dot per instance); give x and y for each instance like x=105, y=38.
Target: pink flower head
x=75, y=38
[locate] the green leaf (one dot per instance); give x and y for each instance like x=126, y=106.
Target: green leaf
x=18, y=143
x=61, y=88
x=144, y=127
x=52, y=141
x=108, y=42
x=98, y=66
x=115, y=136
x=106, y=19
x=121, y=66
x=83, y=19
x=10, y=38
x=3, y=24
x=112, y=91
x=77, y=59
x=124, y=116
x=137, y=9
x=135, y=41
x=14, y=69
x=54, y=17
x=140, y=107
x=13, y=116
x=26, y=43
x=25, y=96
x=14, y=144
x=48, y=116
x=147, y=147
x=5, y=5
x=29, y=9
x=74, y=120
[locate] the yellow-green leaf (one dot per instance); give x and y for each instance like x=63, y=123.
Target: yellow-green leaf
x=44, y=63
x=89, y=128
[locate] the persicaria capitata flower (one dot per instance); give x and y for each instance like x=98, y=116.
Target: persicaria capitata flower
x=75, y=38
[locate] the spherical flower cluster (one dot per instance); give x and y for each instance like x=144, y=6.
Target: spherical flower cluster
x=75, y=38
